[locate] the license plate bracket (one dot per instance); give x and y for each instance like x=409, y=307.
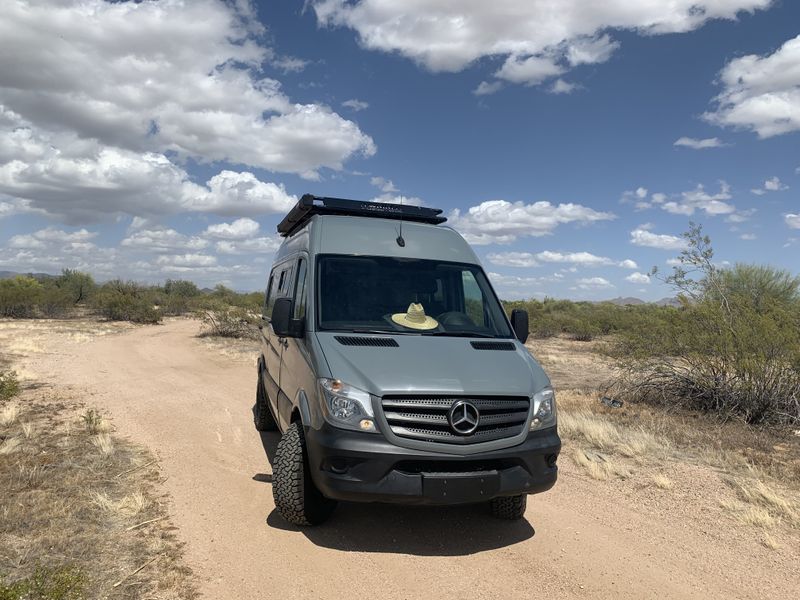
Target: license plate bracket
x=461, y=487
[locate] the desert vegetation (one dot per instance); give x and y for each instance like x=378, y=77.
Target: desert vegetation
x=731, y=346
x=81, y=516
x=73, y=293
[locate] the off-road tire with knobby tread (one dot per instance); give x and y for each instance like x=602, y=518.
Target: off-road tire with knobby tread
x=262, y=415
x=510, y=508
x=296, y=497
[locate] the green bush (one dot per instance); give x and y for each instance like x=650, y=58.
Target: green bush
x=733, y=349
x=9, y=385
x=583, y=330
x=222, y=320
x=76, y=285
x=20, y=297
x=127, y=301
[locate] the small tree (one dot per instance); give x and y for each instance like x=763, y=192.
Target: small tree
x=78, y=285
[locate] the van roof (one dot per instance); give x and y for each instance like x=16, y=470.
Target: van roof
x=310, y=205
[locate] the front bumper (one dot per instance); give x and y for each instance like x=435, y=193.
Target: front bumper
x=363, y=467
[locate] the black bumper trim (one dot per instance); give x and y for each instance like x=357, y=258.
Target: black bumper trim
x=363, y=467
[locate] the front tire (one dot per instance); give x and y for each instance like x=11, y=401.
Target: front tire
x=296, y=497
x=262, y=416
x=510, y=508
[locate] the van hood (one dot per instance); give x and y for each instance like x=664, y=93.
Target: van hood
x=432, y=365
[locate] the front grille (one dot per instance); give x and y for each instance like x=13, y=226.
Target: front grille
x=425, y=417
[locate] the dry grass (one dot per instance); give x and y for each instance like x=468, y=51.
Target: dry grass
x=761, y=466
x=67, y=508
x=10, y=445
x=102, y=441
x=662, y=481
x=577, y=421
x=599, y=466
x=9, y=414
x=762, y=497
x=769, y=542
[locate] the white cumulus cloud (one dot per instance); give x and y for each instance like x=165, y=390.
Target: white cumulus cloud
x=698, y=144
x=538, y=40
x=527, y=259
x=593, y=283
x=761, y=93
x=638, y=278
x=644, y=237
x=792, y=220
x=236, y=230
x=132, y=75
x=501, y=222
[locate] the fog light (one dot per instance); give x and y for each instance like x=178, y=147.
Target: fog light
x=366, y=425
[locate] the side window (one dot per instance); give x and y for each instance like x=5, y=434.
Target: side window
x=300, y=290
x=272, y=293
x=269, y=298
x=473, y=298
x=282, y=282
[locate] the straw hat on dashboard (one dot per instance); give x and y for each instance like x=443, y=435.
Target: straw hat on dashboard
x=415, y=318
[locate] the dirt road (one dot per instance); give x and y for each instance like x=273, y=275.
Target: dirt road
x=191, y=404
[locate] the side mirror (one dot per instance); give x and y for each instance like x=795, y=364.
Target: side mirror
x=519, y=323
x=282, y=322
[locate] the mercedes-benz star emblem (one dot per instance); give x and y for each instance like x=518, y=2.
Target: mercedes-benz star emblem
x=463, y=417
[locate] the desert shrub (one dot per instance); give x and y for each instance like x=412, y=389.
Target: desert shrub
x=181, y=288
x=126, y=301
x=733, y=349
x=251, y=301
x=19, y=297
x=178, y=297
x=222, y=320
x=583, y=330
x=9, y=385
x=586, y=320
x=55, y=301
x=76, y=285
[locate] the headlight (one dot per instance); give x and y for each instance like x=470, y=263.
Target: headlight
x=346, y=406
x=544, y=409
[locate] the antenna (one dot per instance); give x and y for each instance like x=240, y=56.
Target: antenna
x=400, y=241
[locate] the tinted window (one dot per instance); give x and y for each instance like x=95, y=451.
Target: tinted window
x=363, y=292
x=269, y=298
x=300, y=290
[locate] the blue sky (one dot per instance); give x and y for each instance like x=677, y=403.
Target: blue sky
x=571, y=147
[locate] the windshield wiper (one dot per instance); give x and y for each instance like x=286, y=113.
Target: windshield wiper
x=460, y=334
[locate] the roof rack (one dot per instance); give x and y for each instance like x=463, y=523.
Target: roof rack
x=310, y=205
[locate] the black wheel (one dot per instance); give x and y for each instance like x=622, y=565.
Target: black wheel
x=262, y=416
x=296, y=497
x=510, y=508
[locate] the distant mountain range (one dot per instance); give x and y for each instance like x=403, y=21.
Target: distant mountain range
x=10, y=274
x=630, y=301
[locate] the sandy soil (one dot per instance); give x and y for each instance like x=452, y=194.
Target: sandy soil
x=190, y=402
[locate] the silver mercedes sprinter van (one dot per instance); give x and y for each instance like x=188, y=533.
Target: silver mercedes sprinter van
x=392, y=371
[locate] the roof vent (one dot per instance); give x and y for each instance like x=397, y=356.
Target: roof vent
x=347, y=340
x=493, y=345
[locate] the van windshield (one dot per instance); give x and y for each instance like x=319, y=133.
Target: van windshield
x=409, y=296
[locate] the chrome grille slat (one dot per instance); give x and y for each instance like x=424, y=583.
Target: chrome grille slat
x=425, y=417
